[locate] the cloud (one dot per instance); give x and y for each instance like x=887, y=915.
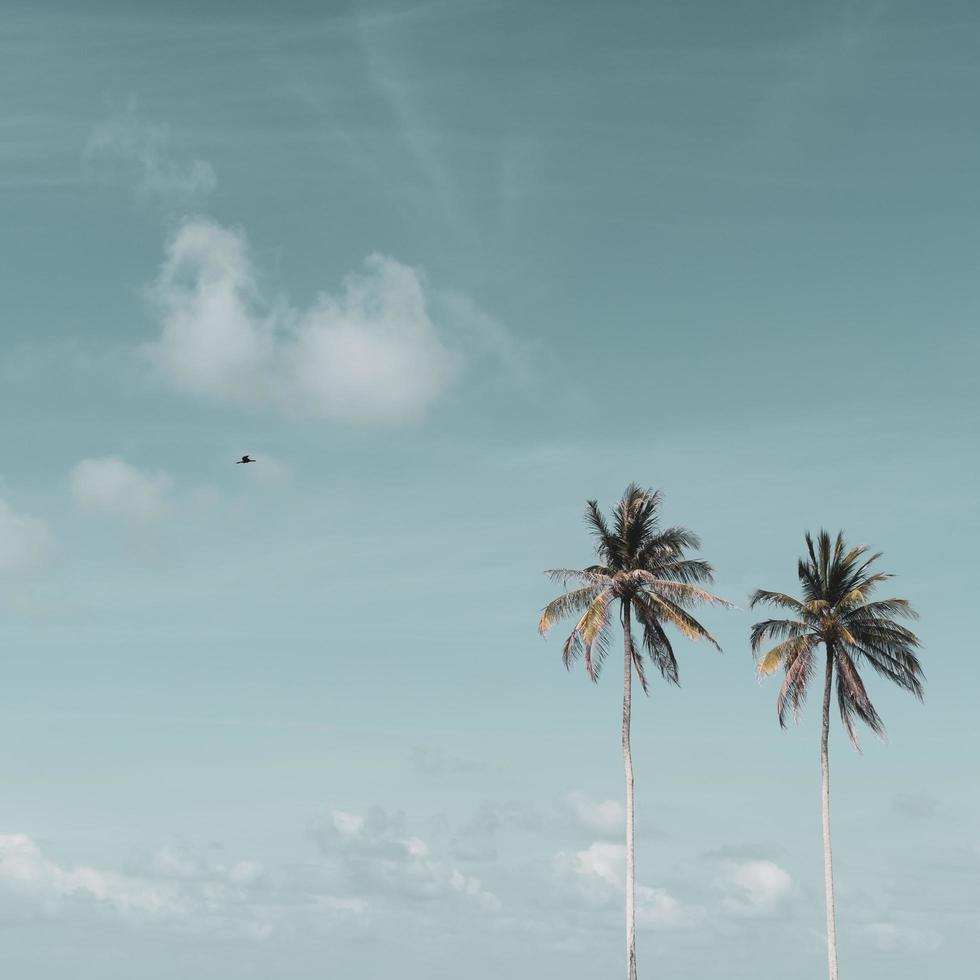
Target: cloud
x=486, y=336
x=438, y=762
x=369, y=354
x=23, y=539
x=918, y=806
x=475, y=840
x=140, y=150
x=656, y=908
x=374, y=855
x=755, y=888
x=606, y=819
x=184, y=864
x=112, y=486
x=26, y=869
x=597, y=875
x=474, y=847
x=177, y=889
x=599, y=864
x=890, y=937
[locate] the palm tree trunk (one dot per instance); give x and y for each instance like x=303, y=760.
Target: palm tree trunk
x=628, y=766
x=828, y=867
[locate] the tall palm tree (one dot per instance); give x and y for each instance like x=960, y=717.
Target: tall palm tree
x=837, y=612
x=645, y=572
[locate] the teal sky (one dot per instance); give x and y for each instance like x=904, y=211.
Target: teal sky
x=447, y=270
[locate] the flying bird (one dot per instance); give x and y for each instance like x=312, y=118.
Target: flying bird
x=245, y=459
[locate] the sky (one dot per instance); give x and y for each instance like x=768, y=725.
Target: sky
x=447, y=270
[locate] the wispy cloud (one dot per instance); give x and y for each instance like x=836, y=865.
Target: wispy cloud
x=109, y=485
x=177, y=889
x=23, y=539
x=476, y=838
x=439, y=762
x=918, y=806
x=174, y=890
x=140, y=151
x=407, y=110
x=606, y=818
x=373, y=854
x=890, y=937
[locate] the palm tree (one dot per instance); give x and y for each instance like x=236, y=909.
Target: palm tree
x=643, y=569
x=837, y=611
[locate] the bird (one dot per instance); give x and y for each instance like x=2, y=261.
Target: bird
x=245, y=459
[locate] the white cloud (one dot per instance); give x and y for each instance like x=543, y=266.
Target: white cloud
x=598, y=876
x=373, y=854
x=754, y=888
x=656, y=908
x=110, y=485
x=369, y=354
x=607, y=819
x=176, y=889
x=181, y=863
x=23, y=539
x=890, y=937
x=25, y=868
x=142, y=151
x=599, y=864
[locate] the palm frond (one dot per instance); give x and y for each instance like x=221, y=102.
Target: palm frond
x=905, y=675
x=595, y=574
x=678, y=592
x=588, y=633
x=635, y=521
x=781, y=654
x=688, y=570
x=859, y=577
x=883, y=630
x=809, y=574
x=776, y=629
x=778, y=599
x=664, y=609
x=792, y=694
x=592, y=629
x=606, y=545
x=656, y=641
x=637, y=662
x=571, y=602
x=852, y=698
x=886, y=608
x=678, y=539
x=815, y=607
x=666, y=546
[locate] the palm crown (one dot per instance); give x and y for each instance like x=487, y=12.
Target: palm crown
x=645, y=568
x=837, y=611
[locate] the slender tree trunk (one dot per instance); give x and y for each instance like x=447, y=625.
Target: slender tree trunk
x=628, y=766
x=828, y=866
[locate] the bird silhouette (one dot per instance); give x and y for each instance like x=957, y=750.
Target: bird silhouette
x=245, y=459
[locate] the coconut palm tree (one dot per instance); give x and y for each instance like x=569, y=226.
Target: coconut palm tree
x=836, y=611
x=644, y=572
